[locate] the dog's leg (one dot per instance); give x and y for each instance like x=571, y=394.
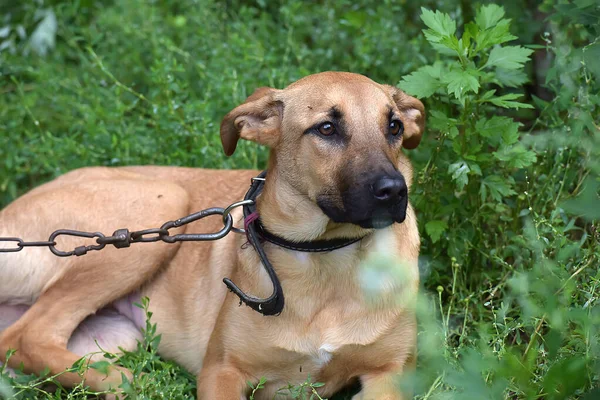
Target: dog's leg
x=221, y=382
x=382, y=386
x=88, y=283
x=385, y=385
x=40, y=337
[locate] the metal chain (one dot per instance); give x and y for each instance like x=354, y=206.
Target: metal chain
x=122, y=238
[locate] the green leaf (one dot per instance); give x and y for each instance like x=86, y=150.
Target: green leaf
x=592, y=395
x=435, y=229
x=460, y=82
x=508, y=57
x=443, y=49
x=565, y=377
x=101, y=366
x=436, y=70
x=591, y=55
x=6, y=391
x=452, y=46
x=126, y=385
x=503, y=128
x=355, y=18
x=498, y=187
x=493, y=29
x=506, y=101
x=510, y=134
x=586, y=202
x=514, y=366
x=457, y=148
x=440, y=25
x=79, y=364
x=497, y=35
x=460, y=173
x=453, y=132
x=488, y=16
x=487, y=95
x=422, y=82
x=475, y=169
x=440, y=121
x=511, y=77
x=516, y=156
x=470, y=34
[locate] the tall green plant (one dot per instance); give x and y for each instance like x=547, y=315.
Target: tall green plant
x=518, y=320
x=472, y=171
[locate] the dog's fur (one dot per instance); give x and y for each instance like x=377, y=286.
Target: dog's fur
x=318, y=187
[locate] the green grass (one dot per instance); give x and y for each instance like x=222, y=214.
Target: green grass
x=507, y=194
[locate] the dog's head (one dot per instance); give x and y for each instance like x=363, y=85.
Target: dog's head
x=336, y=138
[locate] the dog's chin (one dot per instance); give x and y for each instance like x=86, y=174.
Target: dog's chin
x=380, y=221
x=375, y=223
x=376, y=220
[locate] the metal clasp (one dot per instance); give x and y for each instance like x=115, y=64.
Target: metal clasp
x=229, y=209
x=78, y=251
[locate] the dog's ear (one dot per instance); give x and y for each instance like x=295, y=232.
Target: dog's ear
x=258, y=119
x=413, y=116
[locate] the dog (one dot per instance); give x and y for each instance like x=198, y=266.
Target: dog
x=336, y=171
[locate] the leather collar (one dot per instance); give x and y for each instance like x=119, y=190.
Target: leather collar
x=256, y=233
x=313, y=246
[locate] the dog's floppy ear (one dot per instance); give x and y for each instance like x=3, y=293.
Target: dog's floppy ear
x=413, y=116
x=258, y=119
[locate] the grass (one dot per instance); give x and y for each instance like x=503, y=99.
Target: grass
x=506, y=194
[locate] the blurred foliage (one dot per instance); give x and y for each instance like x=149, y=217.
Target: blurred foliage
x=511, y=157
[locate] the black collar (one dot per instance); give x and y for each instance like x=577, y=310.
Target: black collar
x=273, y=305
x=314, y=246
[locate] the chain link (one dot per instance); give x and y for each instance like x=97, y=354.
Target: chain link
x=122, y=238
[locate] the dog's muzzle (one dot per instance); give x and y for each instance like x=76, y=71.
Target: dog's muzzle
x=375, y=202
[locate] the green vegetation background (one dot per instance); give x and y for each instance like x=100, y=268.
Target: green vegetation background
x=507, y=179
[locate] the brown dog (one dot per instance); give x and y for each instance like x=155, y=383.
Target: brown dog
x=336, y=170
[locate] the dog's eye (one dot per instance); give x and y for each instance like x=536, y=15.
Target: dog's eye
x=396, y=127
x=326, y=129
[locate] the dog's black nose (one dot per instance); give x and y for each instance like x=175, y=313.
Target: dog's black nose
x=389, y=189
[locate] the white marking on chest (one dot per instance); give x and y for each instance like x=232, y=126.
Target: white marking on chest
x=302, y=257
x=324, y=354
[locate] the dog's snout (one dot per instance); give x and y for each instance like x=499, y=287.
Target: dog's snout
x=389, y=189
